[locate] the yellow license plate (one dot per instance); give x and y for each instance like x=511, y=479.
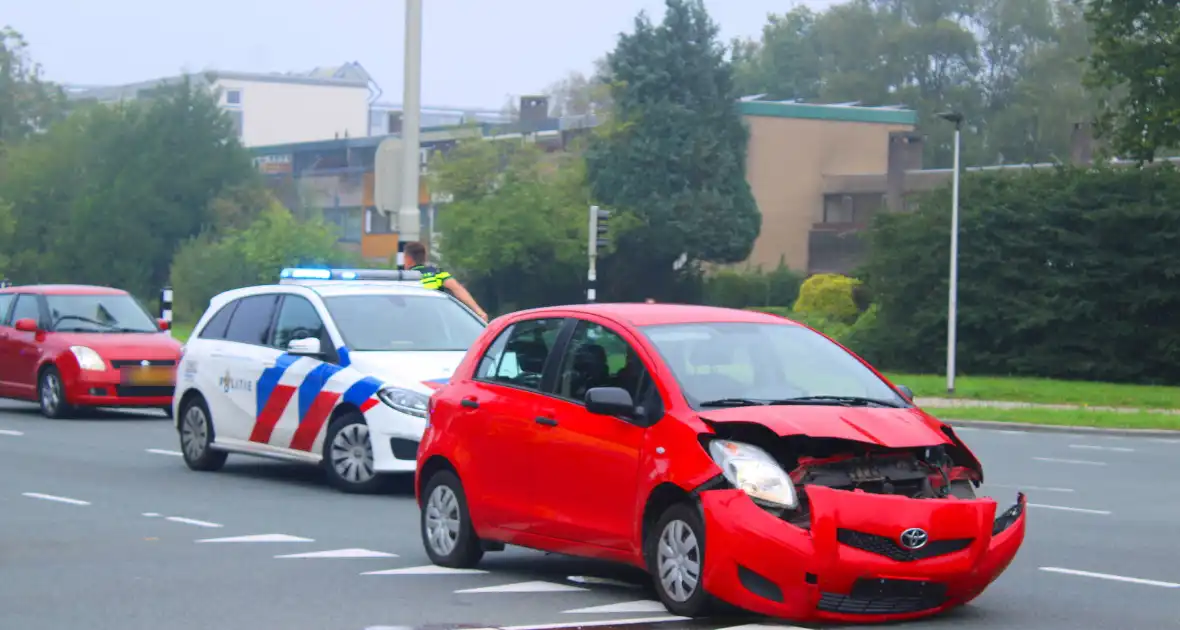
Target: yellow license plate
x=150, y=375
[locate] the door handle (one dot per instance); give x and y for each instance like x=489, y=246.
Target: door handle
x=470, y=403
x=549, y=422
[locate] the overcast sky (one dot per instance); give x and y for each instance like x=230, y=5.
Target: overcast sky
x=476, y=53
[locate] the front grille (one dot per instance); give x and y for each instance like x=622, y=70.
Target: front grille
x=885, y=597
x=143, y=391
x=885, y=546
x=122, y=363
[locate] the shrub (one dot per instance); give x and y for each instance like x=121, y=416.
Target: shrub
x=829, y=296
x=751, y=286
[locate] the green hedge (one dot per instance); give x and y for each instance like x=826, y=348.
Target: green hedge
x=1063, y=273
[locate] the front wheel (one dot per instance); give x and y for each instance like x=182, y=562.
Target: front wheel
x=447, y=533
x=348, y=456
x=676, y=561
x=196, y=438
x=52, y=395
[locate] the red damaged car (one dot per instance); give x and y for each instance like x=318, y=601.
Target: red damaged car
x=735, y=455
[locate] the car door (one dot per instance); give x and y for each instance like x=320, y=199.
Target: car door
x=499, y=422
x=242, y=358
x=586, y=465
x=202, y=366
x=24, y=348
x=301, y=421
x=6, y=343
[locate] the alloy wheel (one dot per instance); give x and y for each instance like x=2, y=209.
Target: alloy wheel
x=352, y=455
x=442, y=520
x=194, y=433
x=679, y=561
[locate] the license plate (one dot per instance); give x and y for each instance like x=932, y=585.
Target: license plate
x=149, y=375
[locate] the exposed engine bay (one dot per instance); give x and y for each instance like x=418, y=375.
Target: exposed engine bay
x=941, y=471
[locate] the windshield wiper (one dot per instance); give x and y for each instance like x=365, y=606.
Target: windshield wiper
x=845, y=400
x=734, y=402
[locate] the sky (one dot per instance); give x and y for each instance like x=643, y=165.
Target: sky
x=475, y=53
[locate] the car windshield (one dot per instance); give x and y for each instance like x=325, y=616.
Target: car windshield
x=392, y=322
x=98, y=313
x=738, y=364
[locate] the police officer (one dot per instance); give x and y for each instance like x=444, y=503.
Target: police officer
x=437, y=279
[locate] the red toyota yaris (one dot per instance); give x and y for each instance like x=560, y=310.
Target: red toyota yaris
x=735, y=455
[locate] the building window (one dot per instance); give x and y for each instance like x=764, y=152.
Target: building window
x=348, y=222
x=852, y=208
x=378, y=222
x=233, y=97
x=838, y=209
x=235, y=115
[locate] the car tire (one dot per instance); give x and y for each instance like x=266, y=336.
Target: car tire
x=348, y=456
x=195, y=431
x=673, y=566
x=447, y=533
x=51, y=395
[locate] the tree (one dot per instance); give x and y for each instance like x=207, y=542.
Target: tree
x=516, y=211
x=580, y=95
x=27, y=102
x=1136, y=44
x=675, y=153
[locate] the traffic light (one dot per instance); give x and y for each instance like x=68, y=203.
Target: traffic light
x=598, y=227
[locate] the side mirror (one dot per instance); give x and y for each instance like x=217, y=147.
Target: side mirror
x=907, y=392
x=164, y=324
x=609, y=401
x=309, y=347
x=27, y=324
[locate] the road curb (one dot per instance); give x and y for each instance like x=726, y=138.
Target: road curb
x=1057, y=428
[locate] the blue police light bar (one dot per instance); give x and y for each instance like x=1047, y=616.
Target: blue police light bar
x=293, y=275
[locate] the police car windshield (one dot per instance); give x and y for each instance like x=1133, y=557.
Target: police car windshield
x=98, y=314
x=413, y=323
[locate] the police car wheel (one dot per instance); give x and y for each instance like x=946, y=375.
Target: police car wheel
x=348, y=455
x=447, y=533
x=196, y=437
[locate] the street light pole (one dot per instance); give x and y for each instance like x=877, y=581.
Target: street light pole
x=953, y=297
x=411, y=115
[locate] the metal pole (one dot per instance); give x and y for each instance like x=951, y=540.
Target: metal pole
x=953, y=301
x=592, y=273
x=411, y=113
x=166, y=307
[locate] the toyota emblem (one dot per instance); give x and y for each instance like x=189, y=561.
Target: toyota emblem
x=914, y=538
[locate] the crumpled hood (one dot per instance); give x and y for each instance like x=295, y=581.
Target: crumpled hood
x=417, y=371
x=892, y=428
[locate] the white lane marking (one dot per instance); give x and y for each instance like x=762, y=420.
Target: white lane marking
x=1034, y=488
x=191, y=521
x=640, y=606
x=151, y=514
x=1165, y=440
x=429, y=569
x=604, y=622
x=50, y=497
x=1107, y=576
x=160, y=451
x=341, y=553
x=10, y=432
x=1093, y=447
x=588, y=579
x=1008, y=432
x=1054, y=460
x=257, y=538
x=525, y=587
x=759, y=626
x=1068, y=509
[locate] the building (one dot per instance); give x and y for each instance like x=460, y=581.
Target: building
x=385, y=118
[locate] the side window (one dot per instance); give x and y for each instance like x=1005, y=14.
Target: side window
x=5, y=302
x=298, y=319
x=219, y=323
x=251, y=320
x=519, y=360
x=599, y=357
x=26, y=307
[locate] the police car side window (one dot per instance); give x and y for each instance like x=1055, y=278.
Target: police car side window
x=251, y=320
x=298, y=319
x=219, y=323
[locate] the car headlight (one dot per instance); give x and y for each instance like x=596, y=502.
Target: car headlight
x=754, y=471
x=405, y=400
x=88, y=359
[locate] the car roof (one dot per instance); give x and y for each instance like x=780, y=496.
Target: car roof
x=63, y=289
x=643, y=314
x=329, y=289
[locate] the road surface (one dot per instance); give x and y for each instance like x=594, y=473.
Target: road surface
x=103, y=527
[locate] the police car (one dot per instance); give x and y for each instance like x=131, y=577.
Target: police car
x=332, y=367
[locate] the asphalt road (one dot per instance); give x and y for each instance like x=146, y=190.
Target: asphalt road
x=103, y=527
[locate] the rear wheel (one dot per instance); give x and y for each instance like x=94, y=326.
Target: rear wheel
x=447, y=533
x=196, y=437
x=676, y=561
x=51, y=394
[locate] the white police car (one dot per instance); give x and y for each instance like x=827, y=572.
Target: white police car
x=330, y=366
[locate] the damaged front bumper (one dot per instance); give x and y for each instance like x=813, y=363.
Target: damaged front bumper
x=852, y=565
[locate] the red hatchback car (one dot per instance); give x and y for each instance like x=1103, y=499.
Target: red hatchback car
x=72, y=346
x=734, y=455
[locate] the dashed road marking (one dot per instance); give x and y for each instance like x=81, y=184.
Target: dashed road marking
x=341, y=553
x=259, y=538
x=526, y=587
x=1033, y=488
x=591, y=580
x=161, y=451
x=11, y=432
x=1054, y=460
x=1069, y=509
x=606, y=622
x=151, y=514
x=50, y=497
x=1108, y=576
x=1094, y=447
x=429, y=569
x=191, y=521
x=639, y=606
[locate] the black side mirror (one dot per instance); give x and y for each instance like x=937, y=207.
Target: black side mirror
x=907, y=392
x=609, y=401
